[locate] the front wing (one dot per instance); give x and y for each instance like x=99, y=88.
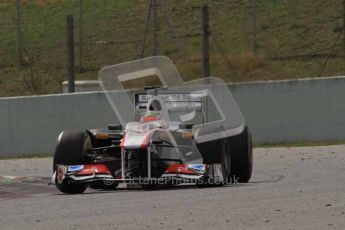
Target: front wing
x=181, y=173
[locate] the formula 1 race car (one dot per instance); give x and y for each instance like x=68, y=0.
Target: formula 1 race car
x=172, y=133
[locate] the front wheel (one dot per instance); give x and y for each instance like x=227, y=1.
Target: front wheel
x=71, y=149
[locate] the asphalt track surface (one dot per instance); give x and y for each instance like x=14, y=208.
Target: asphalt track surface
x=291, y=188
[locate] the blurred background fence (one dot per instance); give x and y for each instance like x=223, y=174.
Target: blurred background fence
x=249, y=40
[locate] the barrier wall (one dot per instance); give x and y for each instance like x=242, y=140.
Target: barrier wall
x=275, y=111
x=30, y=125
x=295, y=110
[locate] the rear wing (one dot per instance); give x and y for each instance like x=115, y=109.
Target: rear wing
x=186, y=107
x=206, y=102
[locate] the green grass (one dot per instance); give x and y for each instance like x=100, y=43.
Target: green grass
x=31, y=156
x=284, y=28
x=300, y=144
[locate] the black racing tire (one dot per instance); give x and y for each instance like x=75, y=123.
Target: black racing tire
x=218, y=152
x=104, y=185
x=71, y=149
x=210, y=151
x=225, y=159
x=241, y=156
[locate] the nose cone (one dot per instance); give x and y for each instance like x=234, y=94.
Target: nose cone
x=135, y=140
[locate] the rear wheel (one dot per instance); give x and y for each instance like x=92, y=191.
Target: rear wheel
x=71, y=149
x=225, y=160
x=216, y=152
x=241, y=156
